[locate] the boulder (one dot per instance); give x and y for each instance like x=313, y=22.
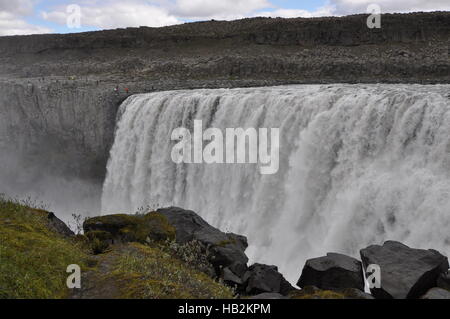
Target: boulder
x=443, y=281
x=405, y=272
x=230, y=278
x=436, y=293
x=260, y=279
x=58, y=226
x=225, y=249
x=129, y=228
x=333, y=271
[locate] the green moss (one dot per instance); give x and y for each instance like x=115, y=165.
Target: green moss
x=225, y=243
x=158, y=227
x=314, y=293
x=33, y=258
x=99, y=234
x=137, y=228
x=148, y=272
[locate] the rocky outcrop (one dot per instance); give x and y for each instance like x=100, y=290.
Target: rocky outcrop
x=58, y=226
x=443, y=281
x=129, y=228
x=260, y=279
x=225, y=249
x=405, y=272
x=333, y=271
x=332, y=48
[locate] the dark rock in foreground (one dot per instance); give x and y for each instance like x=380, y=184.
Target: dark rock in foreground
x=436, y=293
x=265, y=279
x=226, y=249
x=58, y=226
x=444, y=281
x=405, y=272
x=334, y=271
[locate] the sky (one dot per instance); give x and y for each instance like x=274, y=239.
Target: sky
x=61, y=16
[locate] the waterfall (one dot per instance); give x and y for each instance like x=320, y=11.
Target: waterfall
x=359, y=164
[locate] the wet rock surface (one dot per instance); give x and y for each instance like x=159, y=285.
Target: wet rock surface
x=405, y=272
x=261, y=278
x=333, y=271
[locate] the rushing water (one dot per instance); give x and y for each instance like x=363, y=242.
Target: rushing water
x=359, y=164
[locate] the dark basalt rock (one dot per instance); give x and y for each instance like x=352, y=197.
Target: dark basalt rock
x=225, y=249
x=436, y=293
x=58, y=226
x=443, y=281
x=405, y=272
x=265, y=279
x=230, y=278
x=333, y=271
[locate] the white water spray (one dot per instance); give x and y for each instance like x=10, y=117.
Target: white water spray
x=359, y=164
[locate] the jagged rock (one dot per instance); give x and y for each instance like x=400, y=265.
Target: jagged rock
x=264, y=278
x=443, y=281
x=436, y=293
x=268, y=295
x=225, y=249
x=57, y=225
x=128, y=228
x=405, y=272
x=333, y=271
x=230, y=278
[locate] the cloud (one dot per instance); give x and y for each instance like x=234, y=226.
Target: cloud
x=343, y=7
x=116, y=14
x=109, y=14
x=295, y=13
x=12, y=22
x=17, y=7
x=222, y=9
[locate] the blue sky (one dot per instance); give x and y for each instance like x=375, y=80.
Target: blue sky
x=50, y=16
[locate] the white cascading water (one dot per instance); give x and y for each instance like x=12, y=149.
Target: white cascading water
x=359, y=164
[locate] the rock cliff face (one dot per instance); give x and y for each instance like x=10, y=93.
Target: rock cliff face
x=57, y=98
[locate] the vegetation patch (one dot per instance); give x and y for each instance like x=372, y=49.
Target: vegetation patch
x=314, y=293
x=148, y=272
x=133, y=228
x=33, y=259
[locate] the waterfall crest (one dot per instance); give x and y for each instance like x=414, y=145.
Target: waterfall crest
x=359, y=164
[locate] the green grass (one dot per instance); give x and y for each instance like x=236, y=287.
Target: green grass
x=311, y=293
x=149, y=272
x=33, y=259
